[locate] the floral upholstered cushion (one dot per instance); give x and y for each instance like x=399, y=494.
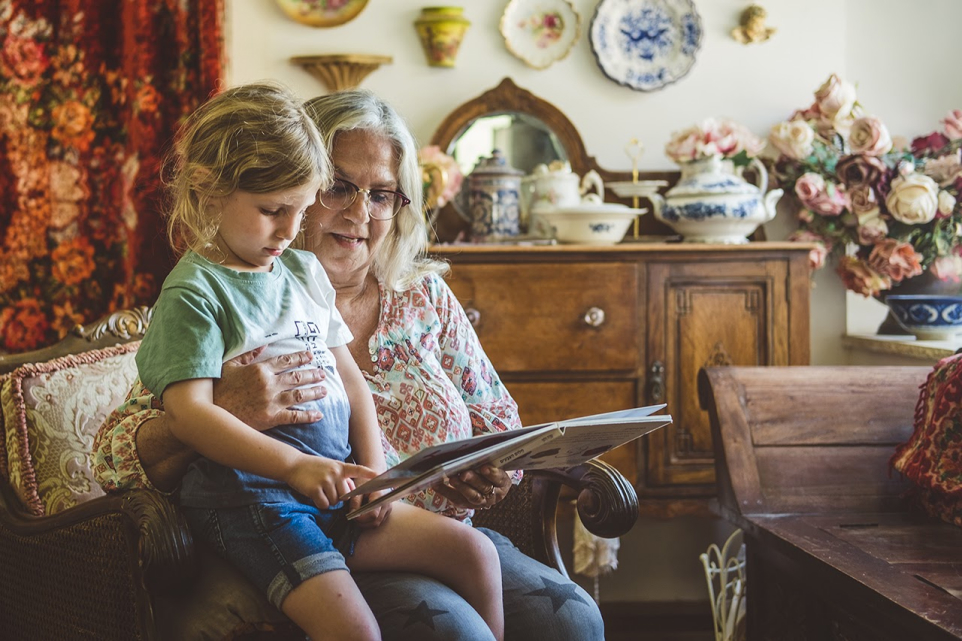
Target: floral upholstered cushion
x=932, y=457
x=51, y=412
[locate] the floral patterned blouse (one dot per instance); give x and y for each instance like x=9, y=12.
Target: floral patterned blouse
x=432, y=383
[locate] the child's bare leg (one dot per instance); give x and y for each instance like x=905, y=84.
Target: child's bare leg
x=329, y=606
x=415, y=540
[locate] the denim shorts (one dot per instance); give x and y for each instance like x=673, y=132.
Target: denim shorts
x=277, y=546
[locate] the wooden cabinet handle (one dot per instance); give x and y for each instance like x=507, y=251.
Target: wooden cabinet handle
x=595, y=317
x=474, y=316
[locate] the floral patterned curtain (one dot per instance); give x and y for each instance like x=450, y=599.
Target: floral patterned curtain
x=91, y=93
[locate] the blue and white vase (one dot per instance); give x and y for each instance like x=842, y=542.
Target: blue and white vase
x=712, y=203
x=494, y=198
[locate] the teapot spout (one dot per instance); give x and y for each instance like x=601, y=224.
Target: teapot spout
x=771, y=202
x=657, y=202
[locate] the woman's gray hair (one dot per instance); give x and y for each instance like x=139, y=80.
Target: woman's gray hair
x=402, y=258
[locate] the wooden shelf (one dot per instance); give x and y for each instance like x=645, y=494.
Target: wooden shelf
x=341, y=71
x=902, y=346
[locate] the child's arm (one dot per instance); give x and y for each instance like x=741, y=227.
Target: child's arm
x=365, y=433
x=218, y=435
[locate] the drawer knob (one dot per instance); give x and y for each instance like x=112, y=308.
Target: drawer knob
x=474, y=316
x=595, y=317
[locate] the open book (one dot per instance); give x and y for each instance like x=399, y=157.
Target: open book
x=562, y=444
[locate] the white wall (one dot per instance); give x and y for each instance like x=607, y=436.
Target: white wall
x=903, y=56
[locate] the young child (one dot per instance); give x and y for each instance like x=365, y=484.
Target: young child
x=245, y=167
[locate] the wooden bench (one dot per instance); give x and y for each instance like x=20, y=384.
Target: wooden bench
x=834, y=550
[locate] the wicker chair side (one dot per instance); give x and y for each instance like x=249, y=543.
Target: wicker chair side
x=91, y=563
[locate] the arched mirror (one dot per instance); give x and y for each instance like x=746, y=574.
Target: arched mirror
x=529, y=130
x=525, y=140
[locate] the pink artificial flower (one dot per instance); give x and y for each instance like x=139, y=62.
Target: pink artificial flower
x=818, y=255
x=860, y=278
x=953, y=124
x=895, y=259
x=947, y=268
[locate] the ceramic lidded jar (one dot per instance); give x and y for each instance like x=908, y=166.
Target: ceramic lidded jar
x=712, y=203
x=494, y=198
x=441, y=30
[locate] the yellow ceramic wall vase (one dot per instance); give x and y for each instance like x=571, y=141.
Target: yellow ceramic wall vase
x=441, y=30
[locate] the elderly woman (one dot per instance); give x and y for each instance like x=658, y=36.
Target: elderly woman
x=430, y=379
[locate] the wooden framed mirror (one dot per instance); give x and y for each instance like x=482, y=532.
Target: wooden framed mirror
x=549, y=132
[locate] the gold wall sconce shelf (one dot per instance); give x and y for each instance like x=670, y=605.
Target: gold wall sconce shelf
x=342, y=70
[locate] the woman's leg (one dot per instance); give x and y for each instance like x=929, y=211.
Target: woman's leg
x=415, y=540
x=539, y=603
x=413, y=607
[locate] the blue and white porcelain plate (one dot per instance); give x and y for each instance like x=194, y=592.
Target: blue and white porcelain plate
x=645, y=44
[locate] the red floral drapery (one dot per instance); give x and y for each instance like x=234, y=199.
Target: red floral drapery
x=91, y=93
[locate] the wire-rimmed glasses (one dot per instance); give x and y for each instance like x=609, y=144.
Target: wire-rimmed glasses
x=382, y=204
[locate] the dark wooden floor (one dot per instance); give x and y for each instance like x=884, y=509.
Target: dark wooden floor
x=657, y=622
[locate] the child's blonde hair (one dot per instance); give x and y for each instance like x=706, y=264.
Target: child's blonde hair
x=256, y=138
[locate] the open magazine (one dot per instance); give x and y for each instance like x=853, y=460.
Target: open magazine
x=562, y=444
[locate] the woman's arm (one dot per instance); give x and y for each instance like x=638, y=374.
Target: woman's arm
x=135, y=447
x=223, y=438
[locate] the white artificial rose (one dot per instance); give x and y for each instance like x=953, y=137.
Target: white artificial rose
x=793, y=138
x=836, y=98
x=914, y=199
x=946, y=203
x=870, y=136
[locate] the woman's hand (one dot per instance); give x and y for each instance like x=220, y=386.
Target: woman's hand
x=481, y=488
x=261, y=394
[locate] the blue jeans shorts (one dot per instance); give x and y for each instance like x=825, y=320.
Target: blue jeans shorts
x=277, y=546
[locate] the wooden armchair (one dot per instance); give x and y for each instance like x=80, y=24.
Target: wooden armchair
x=125, y=566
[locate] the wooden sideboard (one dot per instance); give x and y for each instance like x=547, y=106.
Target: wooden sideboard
x=576, y=330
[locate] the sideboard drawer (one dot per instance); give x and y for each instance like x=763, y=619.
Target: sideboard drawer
x=553, y=316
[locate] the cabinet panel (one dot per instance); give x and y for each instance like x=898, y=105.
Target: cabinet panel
x=710, y=314
x=542, y=402
x=553, y=316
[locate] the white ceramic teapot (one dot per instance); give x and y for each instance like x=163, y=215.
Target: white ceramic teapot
x=555, y=185
x=712, y=203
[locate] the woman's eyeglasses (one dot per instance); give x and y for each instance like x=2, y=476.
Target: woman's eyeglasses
x=382, y=204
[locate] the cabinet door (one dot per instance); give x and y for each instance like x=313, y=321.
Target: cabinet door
x=714, y=312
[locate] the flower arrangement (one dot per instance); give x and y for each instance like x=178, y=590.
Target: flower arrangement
x=884, y=211
x=440, y=175
x=710, y=138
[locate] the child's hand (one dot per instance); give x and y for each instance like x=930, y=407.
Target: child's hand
x=324, y=480
x=375, y=517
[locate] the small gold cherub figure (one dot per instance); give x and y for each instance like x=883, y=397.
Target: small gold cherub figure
x=751, y=26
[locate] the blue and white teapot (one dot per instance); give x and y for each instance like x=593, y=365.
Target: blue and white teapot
x=712, y=203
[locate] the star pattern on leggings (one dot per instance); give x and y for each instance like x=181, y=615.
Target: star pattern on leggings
x=422, y=614
x=559, y=593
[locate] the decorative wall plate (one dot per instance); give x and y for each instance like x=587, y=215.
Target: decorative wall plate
x=540, y=32
x=322, y=13
x=645, y=44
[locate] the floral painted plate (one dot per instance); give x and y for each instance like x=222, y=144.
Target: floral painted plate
x=540, y=32
x=645, y=44
x=322, y=13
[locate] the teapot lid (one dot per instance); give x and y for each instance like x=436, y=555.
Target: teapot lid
x=496, y=163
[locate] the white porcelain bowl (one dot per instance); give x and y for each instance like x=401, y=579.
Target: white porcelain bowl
x=592, y=224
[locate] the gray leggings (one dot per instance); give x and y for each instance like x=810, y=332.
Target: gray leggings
x=539, y=604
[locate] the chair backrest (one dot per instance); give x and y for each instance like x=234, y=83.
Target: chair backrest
x=809, y=439
x=54, y=400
